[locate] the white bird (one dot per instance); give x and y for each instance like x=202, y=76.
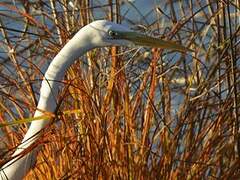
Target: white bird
x=99, y=33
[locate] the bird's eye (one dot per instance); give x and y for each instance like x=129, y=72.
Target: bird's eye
x=112, y=33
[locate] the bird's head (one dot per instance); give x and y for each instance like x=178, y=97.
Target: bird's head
x=106, y=33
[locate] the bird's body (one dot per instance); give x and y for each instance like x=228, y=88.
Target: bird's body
x=96, y=34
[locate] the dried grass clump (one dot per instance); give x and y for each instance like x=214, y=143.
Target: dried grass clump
x=126, y=113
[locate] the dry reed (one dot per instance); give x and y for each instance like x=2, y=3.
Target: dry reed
x=127, y=113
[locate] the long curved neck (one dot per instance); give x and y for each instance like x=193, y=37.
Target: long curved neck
x=77, y=46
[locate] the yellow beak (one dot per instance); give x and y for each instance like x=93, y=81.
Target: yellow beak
x=144, y=40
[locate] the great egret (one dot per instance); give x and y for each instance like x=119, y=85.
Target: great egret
x=99, y=33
